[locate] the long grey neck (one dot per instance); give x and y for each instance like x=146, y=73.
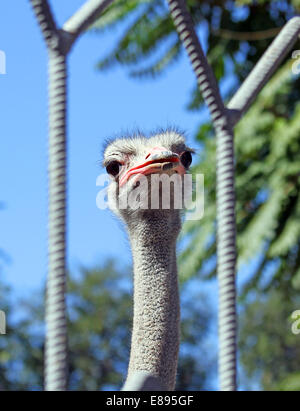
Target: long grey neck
x=155, y=336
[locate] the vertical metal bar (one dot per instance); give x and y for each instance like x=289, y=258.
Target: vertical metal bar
x=226, y=238
x=59, y=43
x=225, y=193
x=56, y=334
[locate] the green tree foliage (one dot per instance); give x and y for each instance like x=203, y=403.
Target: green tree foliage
x=270, y=351
x=17, y=345
x=99, y=329
x=237, y=30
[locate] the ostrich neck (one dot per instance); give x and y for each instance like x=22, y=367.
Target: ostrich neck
x=155, y=336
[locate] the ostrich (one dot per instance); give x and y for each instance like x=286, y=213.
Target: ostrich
x=152, y=234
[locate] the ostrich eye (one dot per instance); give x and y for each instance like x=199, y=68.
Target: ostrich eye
x=186, y=159
x=113, y=168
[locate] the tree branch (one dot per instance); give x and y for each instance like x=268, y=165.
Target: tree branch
x=247, y=35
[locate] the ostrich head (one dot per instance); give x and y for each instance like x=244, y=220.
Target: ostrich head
x=132, y=162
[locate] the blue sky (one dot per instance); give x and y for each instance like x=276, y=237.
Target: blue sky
x=101, y=105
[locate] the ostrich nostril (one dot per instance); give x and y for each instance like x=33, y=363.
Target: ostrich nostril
x=167, y=166
x=147, y=156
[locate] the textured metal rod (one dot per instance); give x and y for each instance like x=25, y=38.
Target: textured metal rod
x=205, y=76
x=56, y=333
x=226, y=238
x=46, y=21
x=225, y=193
x=85, y=16
x=264, y=69
x=56, y=323
x=59, y=43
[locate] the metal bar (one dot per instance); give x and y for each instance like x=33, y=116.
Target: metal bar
x=56, y=335
x=264, y=69
x=226, y=253
x=85, y=16
x=225, y=193
x=206, y=80
x=56, y=322
x=46, y=21
x=59, y=43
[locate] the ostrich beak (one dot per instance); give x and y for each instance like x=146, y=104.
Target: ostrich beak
x=157, y=159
